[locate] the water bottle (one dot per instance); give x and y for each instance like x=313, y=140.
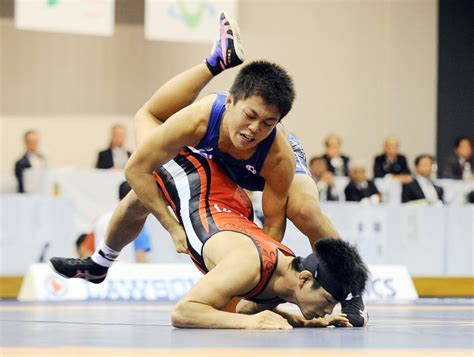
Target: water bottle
x=56, y=189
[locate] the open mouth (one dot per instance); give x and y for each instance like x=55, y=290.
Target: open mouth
x=247, y=138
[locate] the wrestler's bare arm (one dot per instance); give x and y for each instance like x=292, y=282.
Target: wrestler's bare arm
x=278, y=171
x=202, y=306
x=184, y=128
x=158, y=109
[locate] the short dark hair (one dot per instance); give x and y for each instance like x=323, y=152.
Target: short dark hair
x=267, y=80
x=343, y=262
x=458, y=140
x=296, y=264
x=80, y=240
x=423, y=156
x=316, y=158
x=124, y=189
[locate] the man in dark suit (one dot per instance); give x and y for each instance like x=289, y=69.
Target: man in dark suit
x=359, y=188
x=391, y=162
x=324, y=179
x=337, y=163
x=31, y=158
x=422, y=188
x=116, y=156
x=461, y=166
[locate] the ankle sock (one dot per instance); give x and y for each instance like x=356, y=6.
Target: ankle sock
x=104, y=255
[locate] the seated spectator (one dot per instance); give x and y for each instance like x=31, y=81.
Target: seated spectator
x=32, y=158
x=391, y=162
x=324, y=179
x=359, y=188
x=85, y=245
x=141, y=245
x=422, y=188
x=116, y=156
x=337, y=163
x=460, y=166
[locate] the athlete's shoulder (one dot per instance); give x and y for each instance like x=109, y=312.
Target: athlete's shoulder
x=201, y=111
x=235, y=252
x=203, y=106
x=280, y=158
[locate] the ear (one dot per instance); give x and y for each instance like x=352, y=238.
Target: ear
x=304, y=277
x=229, y=102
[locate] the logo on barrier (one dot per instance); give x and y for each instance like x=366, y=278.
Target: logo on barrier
x=381, y=289
x=55, y=286
x=141, y=289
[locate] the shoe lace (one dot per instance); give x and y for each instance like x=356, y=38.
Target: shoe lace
x=74, y=261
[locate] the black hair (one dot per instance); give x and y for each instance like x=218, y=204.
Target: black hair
x=296, y=264
x=458, y=140
x=422, y=156
x=124, y=189
x=267, y=80
x=343, y=262
x=316, y=158
x=80, y=240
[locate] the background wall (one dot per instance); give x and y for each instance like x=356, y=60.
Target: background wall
x=363, y=69
x=456, y=74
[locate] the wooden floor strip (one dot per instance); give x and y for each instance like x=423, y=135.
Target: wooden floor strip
x=444, y=286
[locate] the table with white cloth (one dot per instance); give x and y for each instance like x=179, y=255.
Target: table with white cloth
x=91, y=191
x=455, y=191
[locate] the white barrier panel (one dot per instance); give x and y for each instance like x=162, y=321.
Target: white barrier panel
x=391, y=283
x=170, y=282
x=33, y=228
x=155, y=282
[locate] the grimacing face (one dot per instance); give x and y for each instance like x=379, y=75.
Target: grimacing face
x=249, y=121
x=314, y=303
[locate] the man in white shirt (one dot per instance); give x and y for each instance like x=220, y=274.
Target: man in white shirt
x=359, y=188
x=461, y=165
x=324, y=179
x=337, y=163
x=422, y=188
x=116, y=156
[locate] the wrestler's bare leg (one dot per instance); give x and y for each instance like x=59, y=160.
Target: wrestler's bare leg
x=304, y=211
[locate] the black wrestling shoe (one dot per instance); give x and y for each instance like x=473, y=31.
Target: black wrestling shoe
x=85, y=269
x=355, y=311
